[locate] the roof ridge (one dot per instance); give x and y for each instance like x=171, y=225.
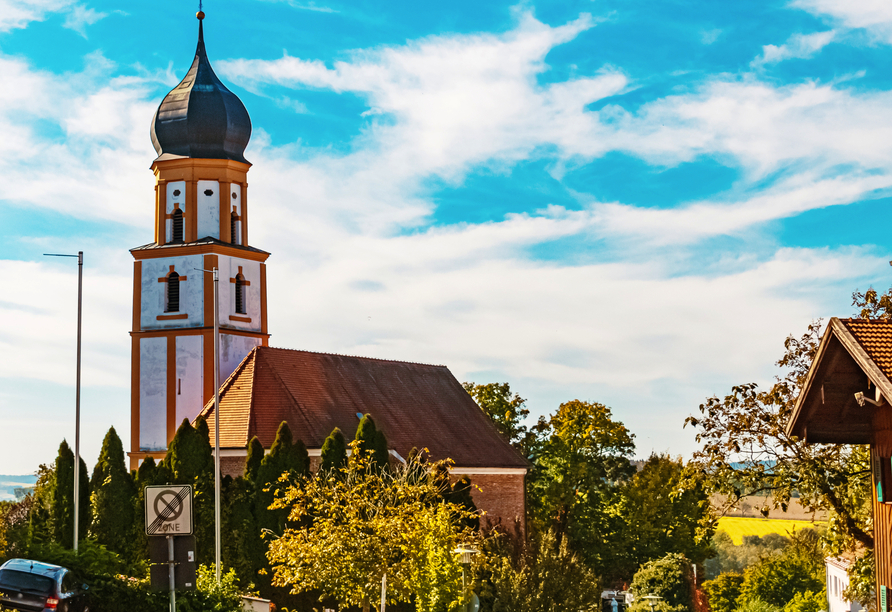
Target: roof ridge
x=430, y=365
x=228, y=382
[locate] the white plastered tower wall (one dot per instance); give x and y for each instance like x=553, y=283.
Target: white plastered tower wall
x=172, y=352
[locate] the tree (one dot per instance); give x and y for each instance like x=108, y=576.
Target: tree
x=546, y=577
x=777, y=579
x=334, y=452
x=745, y=449
x=577, y=483
x=254, y=459
x=670, y=578
x=347, y=531
x=724, y=591
x=112, y=498
x=507, y=411
x=372, y=441
x=662, y=516
x=60, y=486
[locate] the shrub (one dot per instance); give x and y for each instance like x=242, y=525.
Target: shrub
x=724, y=591
x=809, y=601
x=669, y=578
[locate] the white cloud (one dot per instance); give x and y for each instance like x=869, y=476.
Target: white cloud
x=15, y=14
x=80, y=17
x=874, y=16
x=798, y=46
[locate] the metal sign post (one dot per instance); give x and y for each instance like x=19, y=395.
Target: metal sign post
x=173, y=584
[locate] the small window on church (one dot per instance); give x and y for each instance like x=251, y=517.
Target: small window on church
x=177, y=226
x=240, y=305
x=233, y=228
x=173, y=293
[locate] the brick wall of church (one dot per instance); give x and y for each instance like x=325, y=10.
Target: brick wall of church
x=503, y=498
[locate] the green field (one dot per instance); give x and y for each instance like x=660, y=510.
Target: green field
x=737, y=527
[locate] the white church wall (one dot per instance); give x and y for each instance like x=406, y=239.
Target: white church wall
x=208, y=199
x=232, y=350
x=152, y=394
x=190, y=377
x=235, y=203
x=154, y=292
x=176, y=198
x=251, y=271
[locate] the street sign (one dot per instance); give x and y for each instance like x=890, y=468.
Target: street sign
x=168, y=510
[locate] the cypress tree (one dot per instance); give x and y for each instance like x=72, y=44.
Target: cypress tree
x=279, y=461
x=334, y=452
x=255, y=456
x=372, y=441
x=63, y=495
x=112, y=498
x=300, y=459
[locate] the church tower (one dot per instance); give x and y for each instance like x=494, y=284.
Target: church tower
x=200, y=132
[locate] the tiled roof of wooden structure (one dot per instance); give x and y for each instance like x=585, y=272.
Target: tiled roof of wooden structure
x=854, y=356
x=420, y=406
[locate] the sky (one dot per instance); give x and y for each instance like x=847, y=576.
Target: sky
x=628, y=202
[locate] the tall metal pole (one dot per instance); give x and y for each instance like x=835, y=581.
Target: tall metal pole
x=217, y=546
x=77, y=393
x=77, y=399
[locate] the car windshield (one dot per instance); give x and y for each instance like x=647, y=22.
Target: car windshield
x=23, y=581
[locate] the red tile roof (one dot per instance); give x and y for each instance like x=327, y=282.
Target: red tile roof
x=421, y=406
x=875, y=337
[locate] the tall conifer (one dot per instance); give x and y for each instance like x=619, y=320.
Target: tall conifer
x=112, y=498
x=372, y=441
x=255, y=457
x=63, y=495
x=334, y=451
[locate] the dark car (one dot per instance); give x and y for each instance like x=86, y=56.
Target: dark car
x=33, y=586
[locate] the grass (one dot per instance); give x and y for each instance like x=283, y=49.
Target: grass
x=737, y=527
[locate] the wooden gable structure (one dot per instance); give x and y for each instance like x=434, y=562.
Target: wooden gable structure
x=846, y=400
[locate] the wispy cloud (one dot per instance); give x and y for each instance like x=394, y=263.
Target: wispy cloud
x=798, y=46
x=15, y=14
x=80, y=17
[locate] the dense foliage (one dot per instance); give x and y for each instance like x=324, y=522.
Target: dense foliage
x=670, y=578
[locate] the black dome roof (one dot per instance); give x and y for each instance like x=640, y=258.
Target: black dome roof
x=200, y=118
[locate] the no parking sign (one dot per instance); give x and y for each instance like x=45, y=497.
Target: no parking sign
x=168, y=510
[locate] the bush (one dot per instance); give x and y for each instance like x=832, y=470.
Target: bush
x=724, y=591
x=757, y=605
x=670, y=578
x=809, y=601
x=778, y=578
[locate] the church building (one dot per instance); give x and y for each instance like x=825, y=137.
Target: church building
x=200, y=132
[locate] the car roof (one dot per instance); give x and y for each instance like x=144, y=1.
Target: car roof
x=33, y=567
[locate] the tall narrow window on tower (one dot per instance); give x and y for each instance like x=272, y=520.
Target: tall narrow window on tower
x=173, y=293
x=177, y=226
x=233, y=228
x=240, y=305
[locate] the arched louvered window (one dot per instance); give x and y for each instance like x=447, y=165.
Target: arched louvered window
x=173, y=293
x=240, y=301
x=177, y=218
x=233, y=228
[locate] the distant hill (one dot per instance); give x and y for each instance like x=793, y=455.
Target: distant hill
x=8, y=485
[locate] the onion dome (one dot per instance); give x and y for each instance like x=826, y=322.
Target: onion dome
x=200, y=118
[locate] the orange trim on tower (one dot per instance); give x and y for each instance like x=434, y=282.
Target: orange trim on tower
x=134, y=395
x=200, y=249
x=171, y=387
x=207, y=349
x=137, y=295
x=244, y=213
x=240, y=319
x=263, y=325
x=171, y=317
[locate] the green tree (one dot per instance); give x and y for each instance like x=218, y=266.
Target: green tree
x=745, y=449
x=665, y=514
x=334, y=452
x=372, y=441
x=112, y=498
x=507, y=411
x=736, y=558
x=60, y=486
x=809, y=601
x=242, y=548
x=545, y=577
x=346, y=533
x=254, y=459
x=777, y=578
x=670, y=578
x=577, y=484
x=723, y=591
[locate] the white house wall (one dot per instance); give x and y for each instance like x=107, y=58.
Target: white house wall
x=232, y=350
x=152, y=394
x=251, y=271
x=190, y=377
x=208, y=209
x=154, y=292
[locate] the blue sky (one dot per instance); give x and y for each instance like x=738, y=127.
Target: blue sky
x=627, y=202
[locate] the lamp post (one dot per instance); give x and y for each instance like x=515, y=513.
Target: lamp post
x=466, y=552
x=652, y=599
x=217, y=543
x=77, y=392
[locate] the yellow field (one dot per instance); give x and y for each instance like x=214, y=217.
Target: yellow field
x=737, y=527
